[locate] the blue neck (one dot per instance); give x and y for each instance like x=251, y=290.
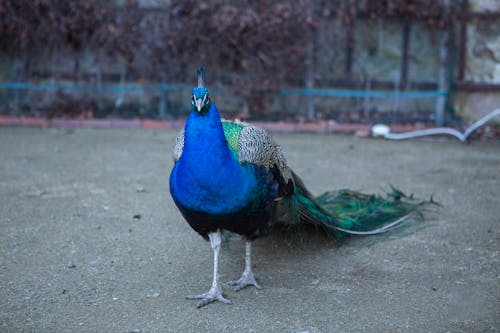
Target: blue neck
x=204, y=134
x=208, y=177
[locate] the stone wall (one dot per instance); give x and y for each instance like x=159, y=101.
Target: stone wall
x=482, y=63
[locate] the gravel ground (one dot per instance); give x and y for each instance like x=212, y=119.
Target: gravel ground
x=90, y=241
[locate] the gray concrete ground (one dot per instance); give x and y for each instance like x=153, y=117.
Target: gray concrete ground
x=90, y=241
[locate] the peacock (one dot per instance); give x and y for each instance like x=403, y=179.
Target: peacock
x=232, y=176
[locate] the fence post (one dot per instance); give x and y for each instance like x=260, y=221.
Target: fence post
x=443, y=84
x=442, y=78
x=405, y=51
x=19, y=77
x=463, y=41
x=310, y=79
x=349, y=48
x=310, y=68
x=162, y=106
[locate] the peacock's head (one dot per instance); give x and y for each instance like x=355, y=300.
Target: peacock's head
x=200, y=99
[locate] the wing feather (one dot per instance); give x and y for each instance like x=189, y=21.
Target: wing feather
x=179, y=145
x=256, y=146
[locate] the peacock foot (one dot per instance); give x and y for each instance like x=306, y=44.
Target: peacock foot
x=247, y=279
x=213, y=295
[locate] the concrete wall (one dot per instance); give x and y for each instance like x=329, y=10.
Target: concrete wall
x=482, y=63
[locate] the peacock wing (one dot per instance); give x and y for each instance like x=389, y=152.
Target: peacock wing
x=179, y=145
x=256, y=146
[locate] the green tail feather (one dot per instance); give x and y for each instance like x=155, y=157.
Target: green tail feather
x=358, y=213
x=353, y=213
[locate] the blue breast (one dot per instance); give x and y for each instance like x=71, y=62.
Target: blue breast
x=208, y=178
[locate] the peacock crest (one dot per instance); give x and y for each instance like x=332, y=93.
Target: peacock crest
x=200, y=99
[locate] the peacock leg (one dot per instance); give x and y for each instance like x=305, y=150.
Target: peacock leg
x=247, y=278
x=215, y=293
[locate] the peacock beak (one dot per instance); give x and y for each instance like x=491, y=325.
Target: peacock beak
x=199, y=104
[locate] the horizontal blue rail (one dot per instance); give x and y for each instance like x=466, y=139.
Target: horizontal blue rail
x=364, y=93
x=103, y=88
x=171, y=87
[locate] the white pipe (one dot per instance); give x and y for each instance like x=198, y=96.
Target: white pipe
x=442, y=130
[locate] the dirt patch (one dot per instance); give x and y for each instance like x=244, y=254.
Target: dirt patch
x=91, y=241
